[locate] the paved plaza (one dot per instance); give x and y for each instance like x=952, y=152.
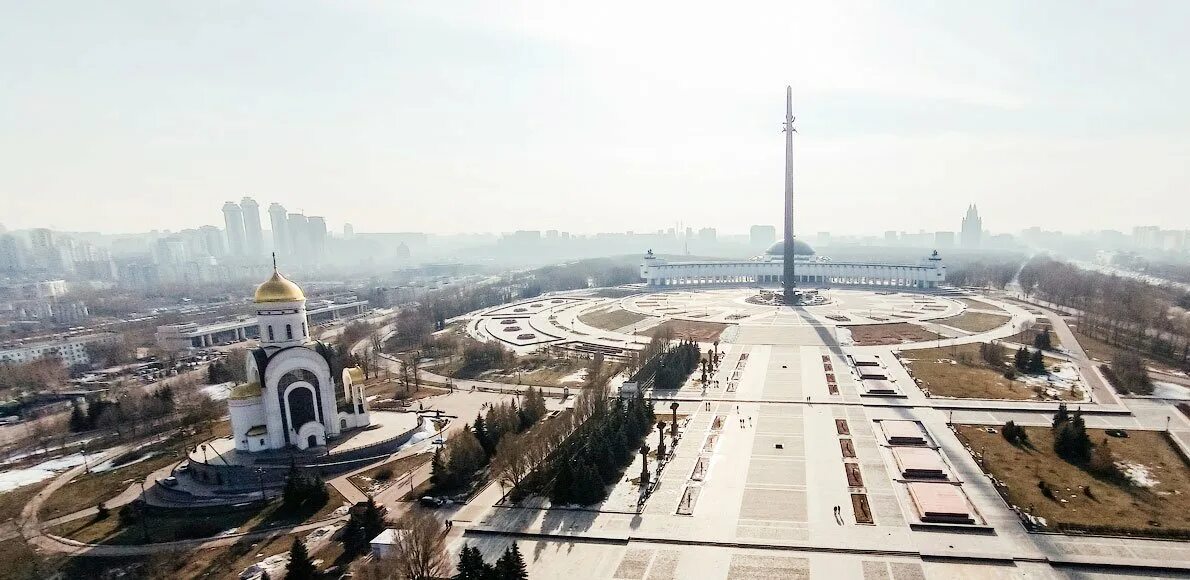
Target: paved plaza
x=766, y=458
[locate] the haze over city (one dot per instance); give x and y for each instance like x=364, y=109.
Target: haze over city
x=477, y=118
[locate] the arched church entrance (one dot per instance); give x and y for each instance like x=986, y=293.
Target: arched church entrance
x=312, y=441
x=301, y=406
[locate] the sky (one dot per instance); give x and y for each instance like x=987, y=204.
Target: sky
x=457, y=117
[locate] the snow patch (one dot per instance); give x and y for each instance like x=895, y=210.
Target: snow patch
x=10, y=480
x=1137, y=473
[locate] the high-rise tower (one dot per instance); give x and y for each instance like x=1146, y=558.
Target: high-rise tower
x=253, y=235
x=233, y=222
x=972, y=228
x=279, y=222
x=789, y=275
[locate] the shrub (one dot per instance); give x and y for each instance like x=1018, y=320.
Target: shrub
x=1046, y=490
x=1015, y=434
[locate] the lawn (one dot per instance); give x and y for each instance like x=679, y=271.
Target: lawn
x=380, y=477
x=958, y=371
x=972, y=303
x=975, y=321
x=535, y=370
x=1026, y=336
x=87, y=490
x=182, y=525
x=894, y=333
x=1104, y=352
x=699, y=331
x=12, y=502
x=1165, y=505
x=610, y=318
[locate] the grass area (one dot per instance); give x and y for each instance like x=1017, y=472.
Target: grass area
x=893, y=333
x=380, y=477
x=390, y=389
x=1103, y=352
x=87, y=490
x=975, y=321
x=182, y=525
x=972, y=303
x=1164, y=506
x=12, y=502
x=534, y=370
x=699, y=331
x=19, y=560
x=1026, y=336
x=958, y=371
x=610, y=318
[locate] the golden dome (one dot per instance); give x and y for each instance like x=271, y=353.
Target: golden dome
x=278, y=289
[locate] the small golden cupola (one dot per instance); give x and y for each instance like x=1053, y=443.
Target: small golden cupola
x=278, y=288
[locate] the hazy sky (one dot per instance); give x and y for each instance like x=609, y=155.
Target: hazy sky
x=595, y=116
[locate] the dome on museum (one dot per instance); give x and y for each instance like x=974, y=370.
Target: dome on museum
x=800, y=248
x=278, y=288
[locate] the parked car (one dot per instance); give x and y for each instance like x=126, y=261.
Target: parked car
x=433, y=502
x=170, y=481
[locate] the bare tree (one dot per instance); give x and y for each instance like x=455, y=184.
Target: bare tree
x=420, y=547
x=513, y=460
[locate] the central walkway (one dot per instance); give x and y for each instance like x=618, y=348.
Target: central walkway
x=770, y=480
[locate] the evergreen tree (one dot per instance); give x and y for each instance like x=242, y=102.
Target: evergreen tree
x=562, y=492
x=1071, y=441
x=1042, y=341
x=606, y=463
x=1014, y=434
x=481, y=433
x=78, y=419
x=439, y=476
x=511, y=565
x=471, y=565
x=1061, y=416
x=362, y=527
x=1036, y=363
x=300, y=566
x=1021, y=359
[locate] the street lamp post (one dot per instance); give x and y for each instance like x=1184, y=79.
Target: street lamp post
x=660, y=440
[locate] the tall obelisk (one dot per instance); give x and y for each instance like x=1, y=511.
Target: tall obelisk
x=789, y=284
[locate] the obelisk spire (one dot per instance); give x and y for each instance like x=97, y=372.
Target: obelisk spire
x=789, y=285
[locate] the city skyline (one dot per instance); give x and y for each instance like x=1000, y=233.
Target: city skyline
x=892, y=123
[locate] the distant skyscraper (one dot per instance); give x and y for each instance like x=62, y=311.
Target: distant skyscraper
x=279, y=222
x=11, y=254
x=299, y=236
x=348, y=231
x=972, y=229
x=317, y=225
x=233, y=222
x=212, y=241
x=707, y=235
x=253, y=235
x=762, y=236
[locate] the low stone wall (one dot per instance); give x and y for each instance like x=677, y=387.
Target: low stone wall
x=248, y=478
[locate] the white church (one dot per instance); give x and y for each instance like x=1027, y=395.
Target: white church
x=291, y=398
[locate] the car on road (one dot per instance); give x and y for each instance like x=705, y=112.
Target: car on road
x=430, y=501
x=170, y=481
